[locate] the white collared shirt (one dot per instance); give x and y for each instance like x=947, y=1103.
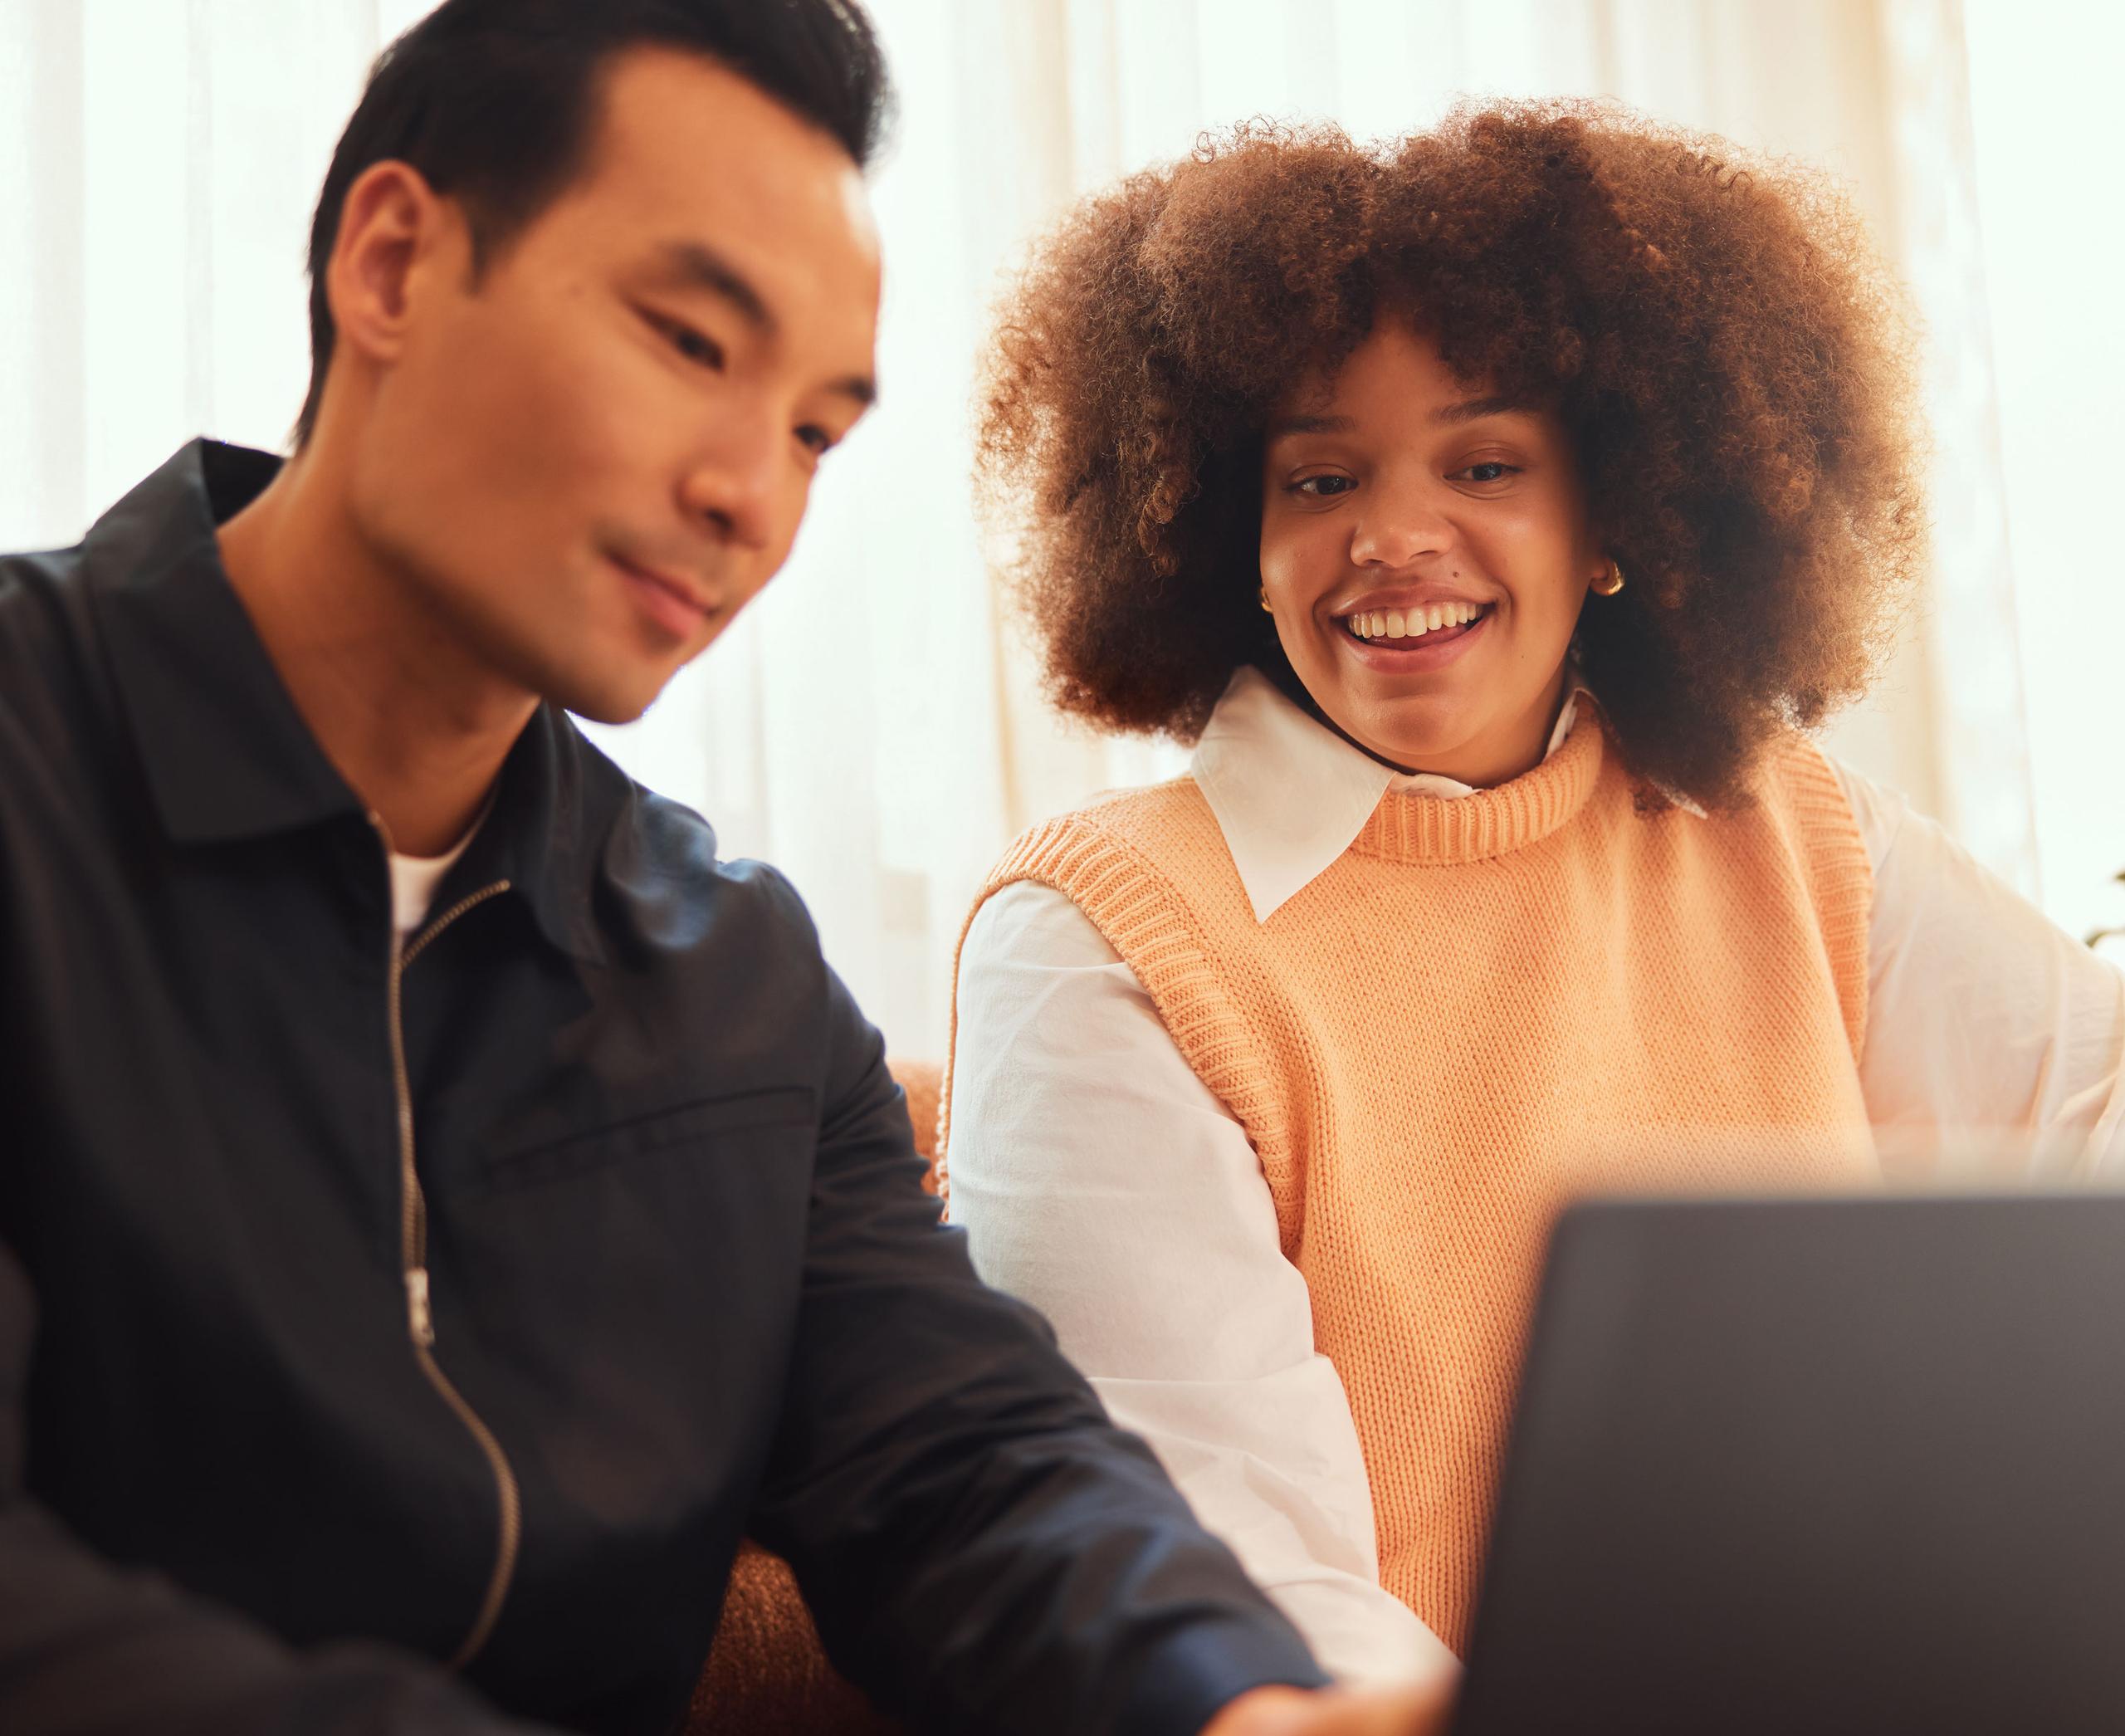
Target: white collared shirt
x=1279, y=845
x=1099, y=1179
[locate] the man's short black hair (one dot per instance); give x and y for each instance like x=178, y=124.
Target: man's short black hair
x=493, y=102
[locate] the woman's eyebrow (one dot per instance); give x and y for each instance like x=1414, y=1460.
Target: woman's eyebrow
x=1469, y=409
x=1285, y=426
x=1474, y=409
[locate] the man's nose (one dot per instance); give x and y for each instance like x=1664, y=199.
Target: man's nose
x=736, y=481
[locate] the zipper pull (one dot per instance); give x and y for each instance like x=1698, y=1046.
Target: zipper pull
x=417, y=1314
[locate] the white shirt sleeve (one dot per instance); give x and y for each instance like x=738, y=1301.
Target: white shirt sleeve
x=1099, y=1179
x=1995, y=1042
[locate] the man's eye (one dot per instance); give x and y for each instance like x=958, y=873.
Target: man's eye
x=705, y=351
x=1321, y=488
x=816, y=438
x=1492, y=470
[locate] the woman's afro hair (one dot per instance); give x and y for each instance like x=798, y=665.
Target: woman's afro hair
x=1730, y=362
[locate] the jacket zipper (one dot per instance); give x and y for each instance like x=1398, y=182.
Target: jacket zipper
x=412, y=1250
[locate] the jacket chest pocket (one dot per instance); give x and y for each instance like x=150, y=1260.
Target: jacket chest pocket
x=743, y=1126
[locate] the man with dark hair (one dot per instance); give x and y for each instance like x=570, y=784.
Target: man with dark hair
x=445, y=1207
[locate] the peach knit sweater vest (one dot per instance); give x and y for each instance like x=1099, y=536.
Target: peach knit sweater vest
x=1485, y=1006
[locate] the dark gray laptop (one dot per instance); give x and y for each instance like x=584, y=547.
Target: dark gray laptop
x=1811, y=1467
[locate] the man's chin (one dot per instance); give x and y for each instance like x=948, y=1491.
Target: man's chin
x=607, y=697
x=602, y=709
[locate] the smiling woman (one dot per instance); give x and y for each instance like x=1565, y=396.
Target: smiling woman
x=1494, y=512
x=1699, y=346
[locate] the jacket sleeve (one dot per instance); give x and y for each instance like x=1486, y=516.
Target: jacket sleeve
x=982, y=1548
x=90, y=1649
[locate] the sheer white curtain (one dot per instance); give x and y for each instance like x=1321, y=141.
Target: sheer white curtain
x=158, y=162
x=909, y=751
x=873, y=725
x=2044, y=103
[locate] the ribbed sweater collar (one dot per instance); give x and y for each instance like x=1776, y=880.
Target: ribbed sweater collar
x=1290, y=796
x=1489, y=822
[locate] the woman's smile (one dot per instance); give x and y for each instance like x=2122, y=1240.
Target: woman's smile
x=1414, y=641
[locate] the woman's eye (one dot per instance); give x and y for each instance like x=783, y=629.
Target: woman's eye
x=1491, y=470
x=816, y=439
x=1321, y=488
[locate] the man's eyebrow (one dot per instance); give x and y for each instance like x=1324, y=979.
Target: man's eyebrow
x=699, y=267
x=1474, y=409
x=1285, y=426
x=861, y=387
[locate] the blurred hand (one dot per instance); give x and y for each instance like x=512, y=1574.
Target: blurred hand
x=1422, y=1710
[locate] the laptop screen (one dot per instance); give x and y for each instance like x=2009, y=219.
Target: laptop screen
x=1813, y=1466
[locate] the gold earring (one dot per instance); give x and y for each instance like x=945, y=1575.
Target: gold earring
x=1610, y=582
x=1264, y=594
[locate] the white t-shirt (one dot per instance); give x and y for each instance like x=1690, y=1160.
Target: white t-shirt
x=414, y=879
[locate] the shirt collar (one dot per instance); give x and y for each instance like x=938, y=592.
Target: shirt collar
x=1289, y=794
x=226, y=754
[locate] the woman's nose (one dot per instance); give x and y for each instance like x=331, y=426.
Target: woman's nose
x=1398, y=526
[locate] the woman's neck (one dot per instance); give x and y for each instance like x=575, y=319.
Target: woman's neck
x=1492, y=760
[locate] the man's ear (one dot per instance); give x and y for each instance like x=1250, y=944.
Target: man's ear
x=394, y=228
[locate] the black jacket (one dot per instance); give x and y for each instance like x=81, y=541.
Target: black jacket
x=476, y=1302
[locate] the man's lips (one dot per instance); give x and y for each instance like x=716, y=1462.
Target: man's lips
x=666, y=598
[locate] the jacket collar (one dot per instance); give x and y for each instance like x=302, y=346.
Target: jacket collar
x=554, y=806
x=226, y=754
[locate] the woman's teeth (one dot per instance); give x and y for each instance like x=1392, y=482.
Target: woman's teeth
x=1396, y=623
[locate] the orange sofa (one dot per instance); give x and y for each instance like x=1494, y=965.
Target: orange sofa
x=766, y=1675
